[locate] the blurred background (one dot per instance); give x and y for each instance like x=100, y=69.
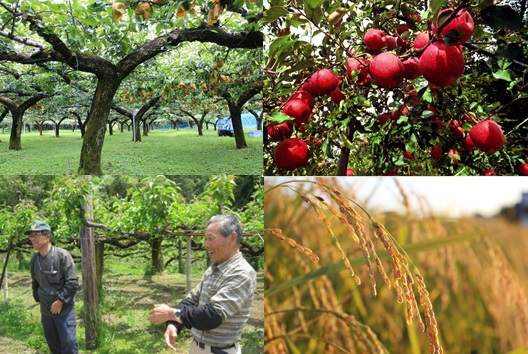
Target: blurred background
x=468, y=236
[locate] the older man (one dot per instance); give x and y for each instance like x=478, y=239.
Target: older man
x=217, y=309
x=54, y=282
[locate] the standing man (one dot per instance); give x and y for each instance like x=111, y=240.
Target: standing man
x=54, y=283
x=217, y=309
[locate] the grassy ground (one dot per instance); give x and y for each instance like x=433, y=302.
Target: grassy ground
x=126, y=300
x=178, y=152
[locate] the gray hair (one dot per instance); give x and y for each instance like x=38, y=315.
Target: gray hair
x=228, y=224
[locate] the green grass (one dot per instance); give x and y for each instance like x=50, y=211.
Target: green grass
x=178, y=152
x=126, y=300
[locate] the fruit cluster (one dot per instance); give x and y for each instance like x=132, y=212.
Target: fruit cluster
x=436, y=55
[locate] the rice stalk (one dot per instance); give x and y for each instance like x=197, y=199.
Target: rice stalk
x=404, y=277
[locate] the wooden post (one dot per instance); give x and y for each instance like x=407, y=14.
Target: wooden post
x=180, y=255
x=89, y=276
x=188, y=270
x=6, y=290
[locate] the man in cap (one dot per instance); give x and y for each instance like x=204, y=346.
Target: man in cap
x=54, y=282
x=218, y=308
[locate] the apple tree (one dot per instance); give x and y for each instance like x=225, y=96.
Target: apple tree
x=388, y=87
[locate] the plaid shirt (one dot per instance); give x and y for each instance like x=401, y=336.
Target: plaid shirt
x=229, y=288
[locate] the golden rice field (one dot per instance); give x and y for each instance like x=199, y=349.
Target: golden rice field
x=342, y=279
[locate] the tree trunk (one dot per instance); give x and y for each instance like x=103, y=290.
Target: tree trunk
x=16, y=131
x=89, y=276
x=236, y=119
x=90, y=163
x=200, y=128
x=157, y=255
x=57, y=127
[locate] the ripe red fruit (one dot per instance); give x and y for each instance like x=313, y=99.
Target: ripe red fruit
x=279, y=132
x=337, y=96
x=523, y=169
x=392, y=172
x=308, y=87
x=324, y=81
x=452, y=153
x=391, y=42
x=387, y=70
x=468, y=143
x=402, y=28
x=412, y=70
x=291, y=154
x=459, y=29
x=375, y=39
x=403, y=111
x=489, y=173
x=456, y=128
x=436, y=123
x=421, y=41
x=408, y=155
x=487, y=136
x=436, y=152
x=355, y=64
x=349, y=172
x=297, y=109
x=384, y=117
x=304, y=96
x=441, y=65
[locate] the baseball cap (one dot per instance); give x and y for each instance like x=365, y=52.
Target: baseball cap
x=38, y=225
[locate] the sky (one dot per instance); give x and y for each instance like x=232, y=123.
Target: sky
x=447, y=196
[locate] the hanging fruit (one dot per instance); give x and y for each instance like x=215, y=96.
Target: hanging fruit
x=118, y=9
x=143, y=9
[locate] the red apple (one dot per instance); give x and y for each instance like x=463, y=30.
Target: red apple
x=436, y=152
x=337, y=96
x=297, y=109
x=408, y=155
x=412, y=70
x=392, y=172
x=487, y=136
x=402, y=111
x=456, y=128
x=421, y=41
x=324, y=81
x=291, y=154
x=436, y=123
x=304, y=96
x=454, y=155
x=468, y=143
x=387, y=70
x=459, y=29
x=489, y=173
x=280, y=132
x=308, y=87
x=391, y=42
x=384, y=117
x=523, y=169
x=375, y=39
x=349, y=172
x=358, y=64
x=441, y=65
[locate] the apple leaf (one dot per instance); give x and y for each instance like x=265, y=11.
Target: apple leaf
x=502, y=16
x=509, y=51
x=273, y=13
x=280, y=117
x=502, y=75
x=435, y=6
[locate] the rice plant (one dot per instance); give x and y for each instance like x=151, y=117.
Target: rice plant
x=323, y=246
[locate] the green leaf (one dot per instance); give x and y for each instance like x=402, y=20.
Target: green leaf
x=280, y=117
x=273, y=13
x=502, y=16
x=502, y=75
x=435, y=6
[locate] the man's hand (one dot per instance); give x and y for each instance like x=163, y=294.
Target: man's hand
x=170, y=336
x=161, y=313
x=56, y=307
